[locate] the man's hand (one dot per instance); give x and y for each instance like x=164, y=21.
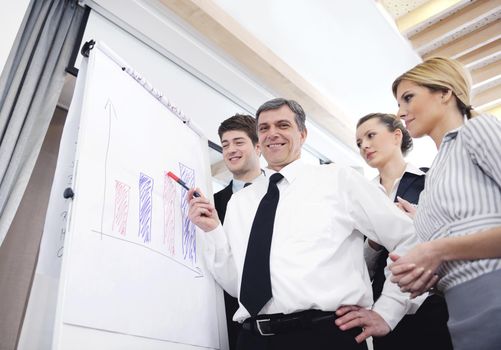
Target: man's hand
x=202, y=213
x=355, y=316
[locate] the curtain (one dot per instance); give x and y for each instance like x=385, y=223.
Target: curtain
x=30, y=85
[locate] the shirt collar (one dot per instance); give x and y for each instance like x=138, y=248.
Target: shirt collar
x=237, y=185
x=412, y=169
x=451, y=135
x=409, y=168
x=290, y=171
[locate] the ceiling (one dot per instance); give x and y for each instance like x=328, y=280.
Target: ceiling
x=469, y=31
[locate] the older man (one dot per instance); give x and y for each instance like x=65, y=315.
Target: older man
x=291, y=247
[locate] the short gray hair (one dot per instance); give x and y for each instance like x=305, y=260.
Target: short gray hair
x=295, y=107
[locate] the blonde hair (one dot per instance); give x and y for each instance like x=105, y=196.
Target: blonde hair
x=442, y=74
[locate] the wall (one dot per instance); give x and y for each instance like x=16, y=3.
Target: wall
x=19, y=250
x=347, y=49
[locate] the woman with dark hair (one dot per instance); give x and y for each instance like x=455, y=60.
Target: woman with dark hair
x=383, y=142
x=459, y=214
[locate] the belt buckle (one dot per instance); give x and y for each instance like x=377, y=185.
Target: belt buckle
x=258, y=325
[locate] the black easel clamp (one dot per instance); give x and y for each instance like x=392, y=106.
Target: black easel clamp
x=68, y=193
x=89, y=45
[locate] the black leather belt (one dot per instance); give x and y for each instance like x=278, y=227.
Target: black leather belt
x=266, y=325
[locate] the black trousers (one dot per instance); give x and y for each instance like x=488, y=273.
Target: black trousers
x=427, y=329
x=231, y=306
x=327, y=336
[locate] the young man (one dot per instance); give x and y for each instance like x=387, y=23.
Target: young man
x=292, y=246
x=241, y=156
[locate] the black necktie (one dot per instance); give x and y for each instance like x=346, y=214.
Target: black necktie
x=255, y=290
x=247, y=184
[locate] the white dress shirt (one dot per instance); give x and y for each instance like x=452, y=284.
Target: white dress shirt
x=237, y=185
x=371, y=255
x=316, y=258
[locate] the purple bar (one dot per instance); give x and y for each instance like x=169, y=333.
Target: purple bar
x=188, y=231
x=145, y=203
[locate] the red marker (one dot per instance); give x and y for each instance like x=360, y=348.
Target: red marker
x=182, y=183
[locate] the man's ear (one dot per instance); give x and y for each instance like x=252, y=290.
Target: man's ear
x=257, y=148
x=304, y=134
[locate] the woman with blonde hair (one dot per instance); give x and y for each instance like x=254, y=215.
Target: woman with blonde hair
x=459, y=213
x=383, y=142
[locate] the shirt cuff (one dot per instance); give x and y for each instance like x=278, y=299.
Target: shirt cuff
x=216, y=237
x=391, y=310
x=415, y=304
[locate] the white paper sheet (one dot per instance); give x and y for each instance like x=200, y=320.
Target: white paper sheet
x=134, y=263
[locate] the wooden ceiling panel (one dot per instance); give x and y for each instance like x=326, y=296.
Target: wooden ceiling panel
x=476, y=12
x=486, y=73
x=487, y=97
x=428, y=13
x=496, y=110
x=469, y=31
x=484, y=52
x=470, y=42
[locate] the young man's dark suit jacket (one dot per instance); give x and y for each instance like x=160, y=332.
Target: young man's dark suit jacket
x=427, y=328
x=221, y=200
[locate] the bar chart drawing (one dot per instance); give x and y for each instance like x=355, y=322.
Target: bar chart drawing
x=145, y=207
x=169, y=197
x=121, y=208
x=188, y=229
